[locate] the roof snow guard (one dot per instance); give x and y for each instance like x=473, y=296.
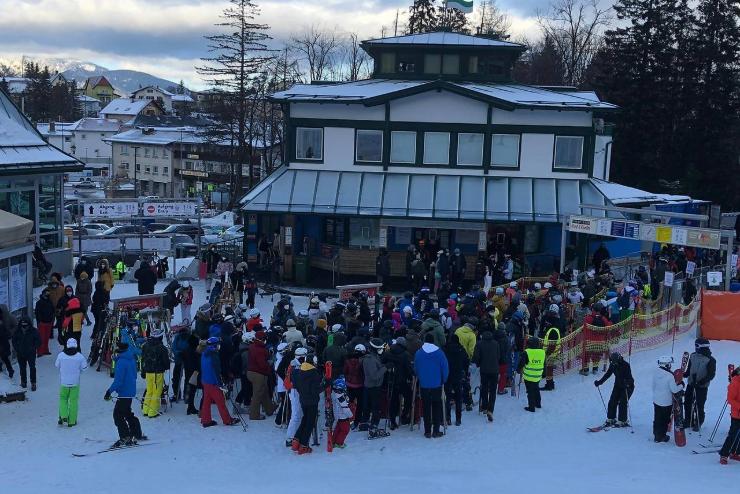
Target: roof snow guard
x=372, y=92
x=403, y=195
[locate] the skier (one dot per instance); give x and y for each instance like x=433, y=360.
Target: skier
x=186, y=302
x=213, y=392
x=296, y=411
x=244, y=397
x=26, y=342
x=432, y=325
x=84, y=292
x=155, y=361
x=100, y=301
x=258, y=373
x=180, y=345
x=487, y=356
x=124, y=385
x=398, y=360
x=355, y=382
x=531, y=367
x=700, y=371
x=458, y=363
x=664, y=387
x=624, y=386
x=70, y=363
x=309, y=382
x=342, y=412
x=374, y=372
x=731, y=446
x=432, y=369
x=146, y=279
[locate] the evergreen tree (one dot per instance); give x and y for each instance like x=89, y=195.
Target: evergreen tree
x=38, y=93
x=714, y=169
x=543, y=65
x=422, y=17
x=4, y=87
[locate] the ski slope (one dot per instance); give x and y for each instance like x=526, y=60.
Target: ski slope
x=549, y=449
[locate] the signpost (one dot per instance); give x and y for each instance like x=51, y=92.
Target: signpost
x=111, y=210
x=176, y=209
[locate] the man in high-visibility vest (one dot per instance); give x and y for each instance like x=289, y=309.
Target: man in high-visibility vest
x=531, y=367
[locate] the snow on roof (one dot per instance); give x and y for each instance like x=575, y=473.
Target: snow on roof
x=97, y=124
x=516, y=94
x=182, y=97
x=441, y=38
x=623, y=194
x=87, y=99
x=60, y=128
x=124, y=106
x=159, y=136
x=16, y=84
x=156, y=88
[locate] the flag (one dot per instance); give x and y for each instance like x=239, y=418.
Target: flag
x=465, y=6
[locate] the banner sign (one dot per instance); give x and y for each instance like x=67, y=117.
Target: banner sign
x=185, y=209
x=110, y=209
x=346, y=291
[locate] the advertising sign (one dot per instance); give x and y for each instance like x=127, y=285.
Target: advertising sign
x=110, y=209
x=186, y=209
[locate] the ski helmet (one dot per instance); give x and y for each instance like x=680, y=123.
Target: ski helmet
x=377, y=344
x=534, y=342
x=538, y=286
x=665, y=361
x=254, y=312
x=360, y=348
x=615, y=357
x=301, y=353
x=701, y=343
x=247, y=336
x=281, y=347
x=548, y=285
x=339, y=384
x=337, y=328
x=243, y=307
x=554, y=308
x=513, y=284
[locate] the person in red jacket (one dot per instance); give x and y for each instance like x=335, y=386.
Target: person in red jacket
x=731, y=447
x=257, y=373
x=595, y=344
x=355, y=379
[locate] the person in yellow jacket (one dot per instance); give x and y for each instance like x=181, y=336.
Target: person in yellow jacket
x=531, y=367
x=120, y=269
x=468, y=338
x=105, y=275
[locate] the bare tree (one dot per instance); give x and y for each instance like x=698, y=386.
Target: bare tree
x=576, y=28
x=239, y=55
x=355, y=60
x=7, y=71
x=318, y=49
x=489, y=20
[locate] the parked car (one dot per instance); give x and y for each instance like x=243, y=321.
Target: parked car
x=191, y=230
x=156, y=227
x=95, y=228
x=184, y=246
x=233, y=232
x=126, y=230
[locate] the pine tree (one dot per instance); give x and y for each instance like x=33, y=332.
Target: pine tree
x=422, y=17
x=714, y=170
x=4, y=87
x=38, y=93
x=239, y=57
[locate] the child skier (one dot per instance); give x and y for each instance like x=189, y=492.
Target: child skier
x=70, y=363
x=342, y=412
x=124, y=385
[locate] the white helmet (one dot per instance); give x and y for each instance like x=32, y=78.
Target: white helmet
x=281, y=347
x=301, y=353
x=336, y=328
x=360, y=348
x=538, y=286
x=254, y=312
x=665, y=361
x=554, y=308
x=185, y=284
x=243, y=307
x=513, y=284
x=548, y=285
x=248, y=336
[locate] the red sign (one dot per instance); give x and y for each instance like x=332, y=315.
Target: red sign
x=138, y=303
x=150, y=210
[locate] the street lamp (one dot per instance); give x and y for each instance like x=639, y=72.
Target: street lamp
x=136, y=180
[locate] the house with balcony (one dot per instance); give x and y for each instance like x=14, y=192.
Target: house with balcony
x=439, y=148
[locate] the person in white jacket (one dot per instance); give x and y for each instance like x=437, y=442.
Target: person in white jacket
x=70, y=363
x=292, y=335
x=664, y=387
x=296, y=412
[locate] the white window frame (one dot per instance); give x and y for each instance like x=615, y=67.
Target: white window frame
x=555, y=165
x=424, y=159
x=320, y=155
x=518, y=151
x=368, y=131
x=459, y=147
x=414, y=135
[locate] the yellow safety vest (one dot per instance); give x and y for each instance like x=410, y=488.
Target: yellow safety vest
x=535, y=364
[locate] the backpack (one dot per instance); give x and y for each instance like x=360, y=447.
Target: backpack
x=624, y=300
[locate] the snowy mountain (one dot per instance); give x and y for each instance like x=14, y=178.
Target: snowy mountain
x=127, y=80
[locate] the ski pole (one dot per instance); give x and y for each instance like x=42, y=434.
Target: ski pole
x=236, y=410
x=602, y=399
x=629, y=411
x=719, y=420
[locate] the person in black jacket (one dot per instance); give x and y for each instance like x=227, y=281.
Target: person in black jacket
x=45, y=313
x=382, y=267
x=100, y=301
x=504, y=355
x=191, y=363
x=146, y=279
x=84, y=265
x=624, y=386
x=26, y=341
x=5, y=348
x=401, y=368
x=458, y=362
x=309, y=382
x=701, y=370
x=487, y=356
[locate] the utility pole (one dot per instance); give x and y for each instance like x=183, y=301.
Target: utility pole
x=395, y=25
x=136, y=175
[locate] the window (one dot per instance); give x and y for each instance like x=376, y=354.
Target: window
x=473, y=64
x=148, y=169
x=505, y=150
x=387, y=63
x=568, y=152
x=403, y=147
x=125, y=165
x=363, y=232
x=309, y=143
x=436, y=148
x=432, y=64
x=188, y=165
x=156, y=170
x=102, y=135
x=451, y=64
x=470, y=149
x=369, y=145
x=154, y=153
x=165, y=170
x=67, y=139
x=146, y=152
x=334, y=231
x=164, y=153
x=404, y=66
x=83, y=136
x=138, y=167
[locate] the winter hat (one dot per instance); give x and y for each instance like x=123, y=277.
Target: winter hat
x=122, y=345
x=408, y=309
x=290, y=323
x=339, y=384
x=538, y=286
x=72, y=343
x=336, y=328
x=229, y=318
x=321, y=323
x=499, y=290
x=401, y=341
x=548, y=285
x=513, y=284
x=247, y=336
x=186, y=284
x=254, y=312
x=281, y=347
x=83, y=275
x=260, y=335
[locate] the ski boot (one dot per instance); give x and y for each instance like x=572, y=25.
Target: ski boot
x=735, y=457
x=33, y=386
x=610, y=423
x=288, y=443
x=295, y=445
x=490, y=416
x=583, y=372
x=723, y=460
x=623, y=423
x=209, y=424
x=304, y=450
x=594, y=370
x=437, y=434
x=234, y=421
x=124, y=442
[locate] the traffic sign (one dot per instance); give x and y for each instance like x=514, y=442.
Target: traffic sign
x=186, y=209
x=110, y=209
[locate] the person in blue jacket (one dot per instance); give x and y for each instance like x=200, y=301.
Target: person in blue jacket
x=210, y=365
x=124, y=385
x=432, y=371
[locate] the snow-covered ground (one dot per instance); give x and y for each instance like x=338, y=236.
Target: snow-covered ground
x=549, y=449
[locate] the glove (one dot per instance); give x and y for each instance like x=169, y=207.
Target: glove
x=107, y=396
x=597, y=383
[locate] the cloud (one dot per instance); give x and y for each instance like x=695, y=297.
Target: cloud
x=165, y=37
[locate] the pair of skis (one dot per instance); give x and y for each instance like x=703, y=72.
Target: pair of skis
x=328, y=408
x=111, y=448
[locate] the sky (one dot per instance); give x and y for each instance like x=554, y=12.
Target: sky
x=165, y=37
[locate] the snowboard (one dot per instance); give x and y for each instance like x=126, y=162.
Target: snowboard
x=328, y=408
x=679, y=434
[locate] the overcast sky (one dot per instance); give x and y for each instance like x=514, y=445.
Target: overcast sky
x=165, y=37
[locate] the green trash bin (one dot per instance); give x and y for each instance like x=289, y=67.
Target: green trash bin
x=301, y=269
